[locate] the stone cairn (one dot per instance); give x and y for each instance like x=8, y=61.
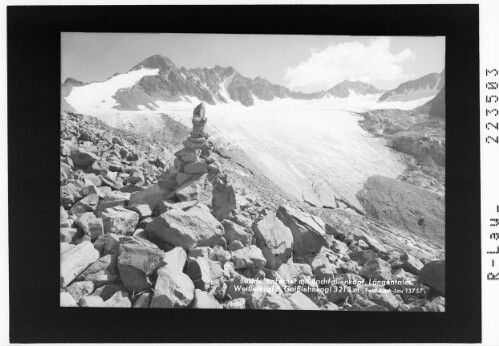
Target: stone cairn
x=195, y=158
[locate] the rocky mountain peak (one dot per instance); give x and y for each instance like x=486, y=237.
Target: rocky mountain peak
x=73, y=82
x=156, y=61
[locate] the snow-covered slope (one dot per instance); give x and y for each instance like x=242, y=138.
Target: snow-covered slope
x=313, y=149
x=99, y=97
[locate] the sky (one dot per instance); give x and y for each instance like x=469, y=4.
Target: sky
x=299, y=62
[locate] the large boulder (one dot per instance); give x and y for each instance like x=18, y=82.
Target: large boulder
x=361, y=257
x=205, y=300
x=187, y=229
x=91, y=302
x=175, y=259
x=206, y=274
x=376, y=269
x=76, y=260
x=248, y=257
x=235, y=304
x=153, y=196
x=110, y=181
x=101, y=272
x=65, y=247
x=66, y=300
x=172, y=290
x=302, y=302
x=70, y=193
x=80, y=289
x=90, y=189
x=411, y=263
x=86, y=204
x=143, y=210
x=224, y=198
x=108, y=244
x=385, y=298
x=90, y=225
x=275, y=240
x=433, y=274
x=198, y=188
x=107, y=291
x=309, y=234
x=137, y=261
x=119, y=220
x=118, y=300
x=235, y=232
x=69, y=235
x=82, y=158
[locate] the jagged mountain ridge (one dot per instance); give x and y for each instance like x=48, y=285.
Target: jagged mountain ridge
x=428, y=85
x=211, y=85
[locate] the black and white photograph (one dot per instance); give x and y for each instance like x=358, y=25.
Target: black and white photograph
x=272, y=172
x=251, y=173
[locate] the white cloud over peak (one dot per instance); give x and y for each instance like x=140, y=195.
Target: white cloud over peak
x=353, y=61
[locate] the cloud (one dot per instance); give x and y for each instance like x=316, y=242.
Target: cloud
x=355, y=61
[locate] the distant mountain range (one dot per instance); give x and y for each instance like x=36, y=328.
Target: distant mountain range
x=425, y=86
x=158, y=79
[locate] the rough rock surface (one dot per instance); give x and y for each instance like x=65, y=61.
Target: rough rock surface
x=138, y=260
x=187, y=229
x=101, y=272
x=120, y=220
x=275, y=240
x=405, y=205
x=205, y=273
x=309, y=236
x=376, y=269
x=235, y=232
x=249, y=257
x=76, y=260
x=172, y=290
x=433, y=274
x=205, y=300
x=224, y=198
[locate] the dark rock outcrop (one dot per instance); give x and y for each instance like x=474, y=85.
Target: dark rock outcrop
x=433, y=274
x=405, y=205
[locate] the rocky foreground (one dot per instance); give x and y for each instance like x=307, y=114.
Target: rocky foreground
x=144, y=227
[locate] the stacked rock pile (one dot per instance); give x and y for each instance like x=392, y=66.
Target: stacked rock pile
x=195, y=158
